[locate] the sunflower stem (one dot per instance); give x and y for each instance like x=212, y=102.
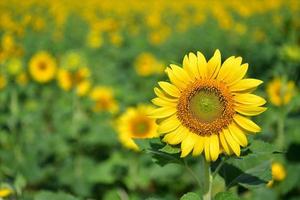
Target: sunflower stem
x=206, y=180
x=280, y=131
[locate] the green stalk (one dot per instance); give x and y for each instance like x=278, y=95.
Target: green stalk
x=280, y=131
x=206, y=180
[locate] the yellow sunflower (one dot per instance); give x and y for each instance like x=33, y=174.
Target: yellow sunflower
x=281, y=92
x=278, y=173
x=77, y=79
x=104, y=99
x=42, y=67
x=207, y=105
x=146, y=64
x=5, y=192
x=135, y=123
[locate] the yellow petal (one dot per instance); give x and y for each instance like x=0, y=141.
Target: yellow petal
x=181, y=73
x=236, y=74
x=176, y=136
x=199, y=146
x=235, y=147
x=170, y=89
x=246, y=123
x=168, y=125
x=214, y=147
x=249, y=110
x=162, y=102
x=202, y=65
x=163, y=112
x=207, y=148
x=238, y=135
x=249, y=99
x=190, y=65
x=224, y=143
x=213, y=65
x=226, y=68
x=245, y=84
x=175, y=79
x=163, y=96
x=187, y=144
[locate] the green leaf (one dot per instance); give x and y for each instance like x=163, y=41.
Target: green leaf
x=190, y=196
x=251, y=170
x=226, y=196
x=261, y=147
x=170, y=149
x=45, y=195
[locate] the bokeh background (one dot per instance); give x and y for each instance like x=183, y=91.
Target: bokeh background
x=70, y=69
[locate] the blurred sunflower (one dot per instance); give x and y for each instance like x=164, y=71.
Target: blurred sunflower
x=281, y=92
x=3, y=81
x=206, y=106
x=5, y=192
x=278, y=173
x=104, y=99
x=135, y=123
x=75, y=79
x=42, y=67
x=22, y=79
x=146, y=64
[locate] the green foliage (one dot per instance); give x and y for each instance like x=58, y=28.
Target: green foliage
x=45, y=195
x=226, y=196
x=191, y=196
x=252, y=169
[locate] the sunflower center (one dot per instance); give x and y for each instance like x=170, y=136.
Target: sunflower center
x=42, y=66
x=140, y=127
x=206, y=105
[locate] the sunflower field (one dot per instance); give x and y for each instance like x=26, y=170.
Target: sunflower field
x=153, y=99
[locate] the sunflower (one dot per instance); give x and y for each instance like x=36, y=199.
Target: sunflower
x=104, y=99
x=206, y=106
x=77, y=79
x=146, y=64
x=5, y=192
x=42, y=67
x=281, y=92
x=135, y=123
x=278, y=173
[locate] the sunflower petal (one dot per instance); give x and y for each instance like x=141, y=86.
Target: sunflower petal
x=175, y=79
x=249, y=99
x=207, y=148
x=249, y=110
x=162, y=112
x=226, y=68
x=168, y=125
x=199, y=146
x=238, y=74
x=190, y=65
x=163, y=96
x=202, y=65
x=187, y=144
x=238, y=135
x=246, y=123
x=163, y=102
x=214, y=65
x=170, y=89
x=176, y=136
x=235, y=147
x=224, y=144
x=214, y=147
x=245, y=84
x=180, y=73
